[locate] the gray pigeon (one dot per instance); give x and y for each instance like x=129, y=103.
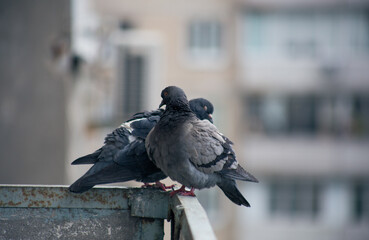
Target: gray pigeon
x=123, y=156
x=192, y=151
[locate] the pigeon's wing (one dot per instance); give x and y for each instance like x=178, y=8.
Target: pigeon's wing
x=110, y=172
x=141, y=123
x=102, y=173
x=146, y=114
x=88, y=159
x=141, y=128
x=123, y=156
x=133, y=157
x=119, y=160
x=123, y=140
x=211, y=152
x=117, y=145
x=114, y=142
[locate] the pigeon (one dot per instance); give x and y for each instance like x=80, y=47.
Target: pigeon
x=192, y=151
x=123, y=156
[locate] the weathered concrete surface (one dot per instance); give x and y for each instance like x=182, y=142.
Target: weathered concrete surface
x=52, y=223
x=52, y=212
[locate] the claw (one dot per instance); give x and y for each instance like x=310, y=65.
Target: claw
x=162, y=186
x=158, y=184
x=183, y=192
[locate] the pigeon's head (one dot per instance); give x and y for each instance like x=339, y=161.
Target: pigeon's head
x=202, y=108
x=173, y=96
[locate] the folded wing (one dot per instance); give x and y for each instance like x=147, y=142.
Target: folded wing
x=211, y=152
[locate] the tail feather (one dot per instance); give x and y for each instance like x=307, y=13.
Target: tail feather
x=88, y=159
x=239, y=174
x=78, y=187
x=229, y=188
x=110, y=174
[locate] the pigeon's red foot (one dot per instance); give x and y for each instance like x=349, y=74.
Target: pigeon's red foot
x=158, y=184
x=162, y=186
x=183, y=192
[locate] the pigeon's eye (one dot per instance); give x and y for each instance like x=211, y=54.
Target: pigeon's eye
x=165, y=94
x=205, y=108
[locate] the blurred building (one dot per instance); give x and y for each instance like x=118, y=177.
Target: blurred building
x=289, y=81
x=304, y=71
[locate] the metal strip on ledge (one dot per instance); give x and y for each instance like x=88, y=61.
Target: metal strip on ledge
x=39, y=212
x=189, y=219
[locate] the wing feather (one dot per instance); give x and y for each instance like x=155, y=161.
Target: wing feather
x=210, y=148
x=215, y=153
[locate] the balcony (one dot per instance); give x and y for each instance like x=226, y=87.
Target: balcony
x=50, y=212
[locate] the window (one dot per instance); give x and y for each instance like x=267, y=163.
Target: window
x=302, y=114
x=253, y=113
x=306, y=34
x=360, y=112
x=361, y=201
x=294, y=198
x=346, y=115
x=254, y=31
x=282, y=114
x=133, y=77
x=204, y=39
x=267, y=114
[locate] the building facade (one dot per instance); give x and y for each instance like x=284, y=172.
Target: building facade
x=289, y=82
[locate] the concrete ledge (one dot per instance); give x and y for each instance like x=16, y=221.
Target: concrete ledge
x=39, y=212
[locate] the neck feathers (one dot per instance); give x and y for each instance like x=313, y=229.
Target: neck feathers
x=180, y=104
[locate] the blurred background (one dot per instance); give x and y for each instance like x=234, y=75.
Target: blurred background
x=289, y=80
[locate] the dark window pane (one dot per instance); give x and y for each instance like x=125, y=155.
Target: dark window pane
x=133, y=77
x=294, y=197
x=361, y=201
x=302, y=114
x=360, y=115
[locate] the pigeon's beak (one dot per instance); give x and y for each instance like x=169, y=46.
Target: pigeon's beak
x=161, y=104
x=210, y=118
